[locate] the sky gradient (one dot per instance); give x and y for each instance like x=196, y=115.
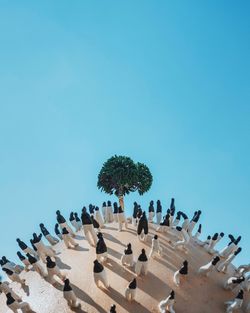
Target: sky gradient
x=164, y=82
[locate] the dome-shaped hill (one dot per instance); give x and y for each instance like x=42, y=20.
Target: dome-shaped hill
x=196, y=295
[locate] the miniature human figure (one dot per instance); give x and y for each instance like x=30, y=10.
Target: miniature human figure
x=141, y=267
x=155, y=248
x=96, y=225
x=101, y=249
x=78, y=221
x=212, y=243
x=130, y=291
x=185, y=222
x=193, y=222
x=181, y=273
x=127, y=258
x=158, y=212
x=100, y=274
x=5, y=263
x=167, y=305
x=68, y=240
x=184, y=239
x=134, y=216
x=197, y=234
x=121, y=219
x=177, y=219
x=25, y=248
x=14, y=276
x=151, y=212
x=51, y=239
x=142, y=227
x=88, y=228
x=73, y=221
x=139, y=213
x=209, y=267
x=42, y=250
x=236, y=303
x=98, y=217
x=233, y=282
x=221, y=235
x=223, y=266
x=14, y=305
x=34, y=247
x=171, y=216
x=5, y=288
x=91, y=209
x=113, y=309
x=171, y=211
x=165, y=224
x=110, y=217
x=115, y=212
x=57, y=231
x=104, y=212
x=53, y=270
x=231, y=247
x=62, y=223
x=69, y=295
x=36, y=265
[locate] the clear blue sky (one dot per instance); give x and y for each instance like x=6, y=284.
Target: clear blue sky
x=164, y=82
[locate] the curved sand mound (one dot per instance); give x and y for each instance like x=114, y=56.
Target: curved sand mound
x=196, y=295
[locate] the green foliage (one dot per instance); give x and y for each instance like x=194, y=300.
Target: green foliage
x=119, y=175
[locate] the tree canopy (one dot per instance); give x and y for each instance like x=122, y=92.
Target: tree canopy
x=119, y=175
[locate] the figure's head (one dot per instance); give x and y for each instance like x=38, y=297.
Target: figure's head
x=41, y=225
x=84, y=210
x=172, y=294
x=216, y=259
x=237, y=251
x=109, y=203
x=143, y=251
x=155, y=236
x=237, y=240
x=58, y=212
x=99, y=235
x=18, y=240
x=222, y=235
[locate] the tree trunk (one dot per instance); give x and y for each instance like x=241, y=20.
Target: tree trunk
x=121, y=202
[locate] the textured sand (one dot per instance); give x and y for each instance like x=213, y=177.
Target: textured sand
x=195, y=295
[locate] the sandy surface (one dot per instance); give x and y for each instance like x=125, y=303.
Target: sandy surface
x=195, y=295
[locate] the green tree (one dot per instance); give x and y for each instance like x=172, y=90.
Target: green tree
x=119, y=175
